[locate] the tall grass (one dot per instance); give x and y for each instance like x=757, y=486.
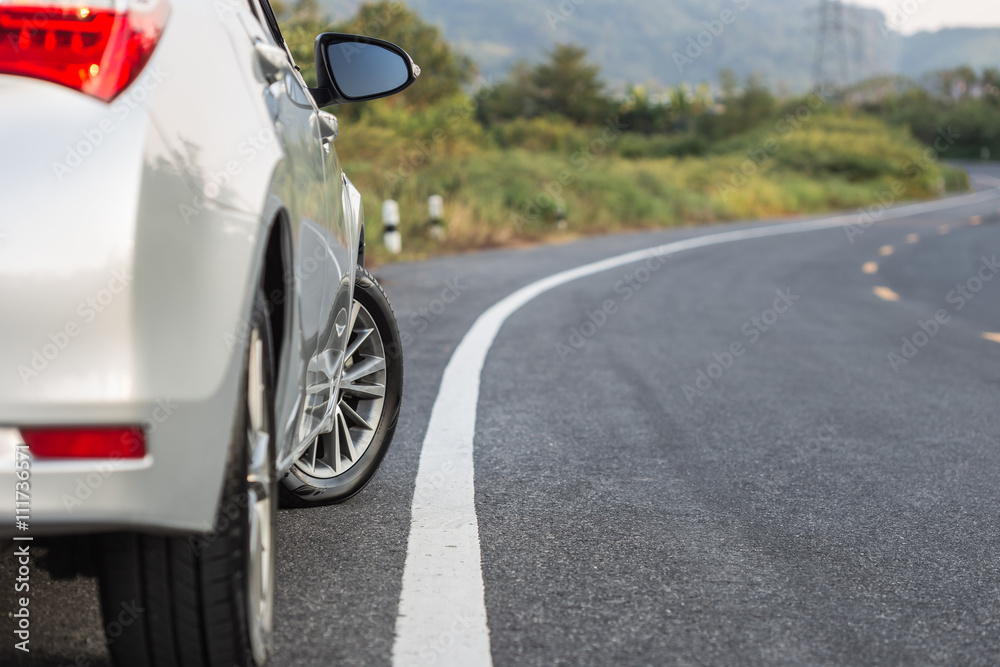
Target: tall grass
x=509, y=184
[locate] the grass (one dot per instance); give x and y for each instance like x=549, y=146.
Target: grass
x=507, y=186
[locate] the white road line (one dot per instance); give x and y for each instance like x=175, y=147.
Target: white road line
x=989, y=180
x=442, y=607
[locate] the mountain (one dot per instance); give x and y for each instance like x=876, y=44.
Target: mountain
x=929, y=51
x=652, y=41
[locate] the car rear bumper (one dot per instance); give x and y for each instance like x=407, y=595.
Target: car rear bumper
x=173, y=489
x=117, y=310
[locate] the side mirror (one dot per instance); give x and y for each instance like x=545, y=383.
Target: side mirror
x=354, y=68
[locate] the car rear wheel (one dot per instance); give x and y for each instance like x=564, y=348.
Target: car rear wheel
x=206, y=600
x=340, y=462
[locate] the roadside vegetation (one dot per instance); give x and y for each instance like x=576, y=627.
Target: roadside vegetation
x=549, y=153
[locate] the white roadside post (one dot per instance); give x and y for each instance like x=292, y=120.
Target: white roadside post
x=435, y=207
x=390, y=221
x=561, y=222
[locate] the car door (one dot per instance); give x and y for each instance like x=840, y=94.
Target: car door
x=338, y=268
x=303, y=187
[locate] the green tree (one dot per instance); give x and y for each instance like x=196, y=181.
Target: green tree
x=743, y=109
x=568, y=85
x=641, y=113
x=990, y=81
x=565, y=84
x=444, y=72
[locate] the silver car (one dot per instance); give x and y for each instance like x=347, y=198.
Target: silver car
x=188, y=331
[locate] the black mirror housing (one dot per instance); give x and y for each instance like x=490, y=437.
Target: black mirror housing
x=355, y=68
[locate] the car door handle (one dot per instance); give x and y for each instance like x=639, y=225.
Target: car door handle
x=328, y=126
x=271, y=61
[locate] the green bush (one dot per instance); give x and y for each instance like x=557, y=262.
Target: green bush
x=497, y=191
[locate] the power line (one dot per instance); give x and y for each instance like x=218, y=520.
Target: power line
x=831, y=66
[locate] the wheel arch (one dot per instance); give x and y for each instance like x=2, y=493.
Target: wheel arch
x=361, y=246
x=278, y=283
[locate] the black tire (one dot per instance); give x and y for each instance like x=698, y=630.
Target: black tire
x=183, y=602
x=298, y=487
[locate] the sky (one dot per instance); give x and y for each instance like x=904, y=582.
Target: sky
x=910, y=16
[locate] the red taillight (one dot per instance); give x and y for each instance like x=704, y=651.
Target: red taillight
x=86, y=443
x=94, y=50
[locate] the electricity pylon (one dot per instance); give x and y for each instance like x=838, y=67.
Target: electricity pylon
x=831, y=67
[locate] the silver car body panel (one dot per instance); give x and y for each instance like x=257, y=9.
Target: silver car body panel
x=132, y=240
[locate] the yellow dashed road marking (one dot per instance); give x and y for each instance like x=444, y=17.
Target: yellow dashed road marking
x=912, y=238
x=944, y=229
x=976, y=220
x=885, y=294
x=870, y=267
x=989, y=335
x=885, y=250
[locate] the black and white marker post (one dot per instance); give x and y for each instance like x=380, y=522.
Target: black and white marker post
x=390, y=222
x=435, y=208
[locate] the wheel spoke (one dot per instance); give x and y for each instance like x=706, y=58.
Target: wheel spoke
x=363, y=335
x=355, y=309
x=355, y=417
x=336, y=451
x=352, y=455
x=364, y=390
x=369, y=366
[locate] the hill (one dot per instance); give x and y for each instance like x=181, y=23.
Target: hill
x=929, y=51
x=649, y=41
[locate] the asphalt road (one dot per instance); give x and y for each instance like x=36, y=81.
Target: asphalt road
x=828, y=495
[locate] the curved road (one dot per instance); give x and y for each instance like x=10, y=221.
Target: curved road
x=781, y=450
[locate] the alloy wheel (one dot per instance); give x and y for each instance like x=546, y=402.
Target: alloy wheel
x=360, y=403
